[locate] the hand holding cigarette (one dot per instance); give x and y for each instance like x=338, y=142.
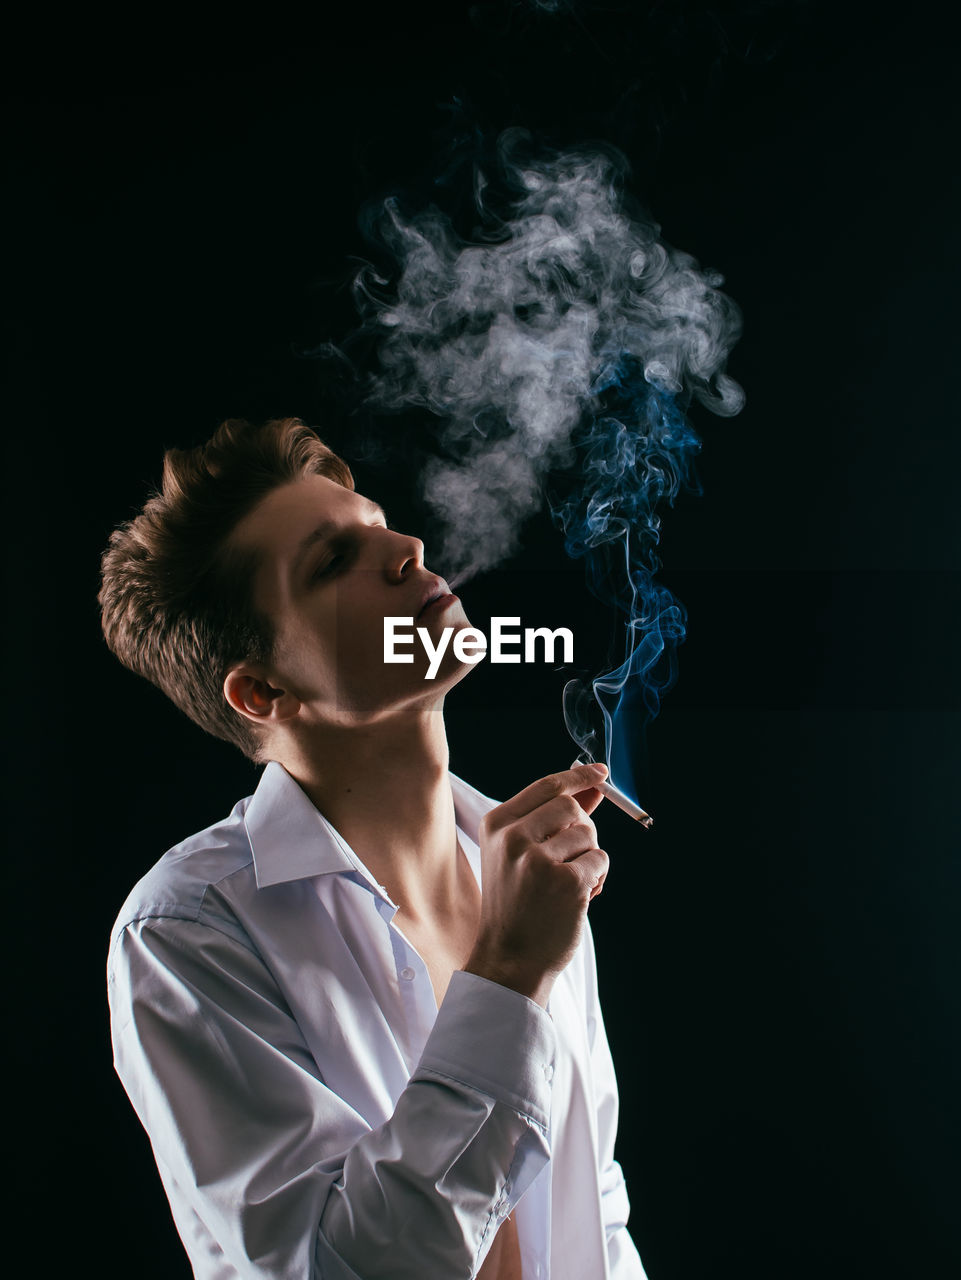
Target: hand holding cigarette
x=540, y=869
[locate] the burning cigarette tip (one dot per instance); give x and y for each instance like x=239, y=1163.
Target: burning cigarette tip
x=633, y=810
x=620, y=799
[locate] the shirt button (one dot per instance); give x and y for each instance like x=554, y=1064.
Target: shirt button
x=549, y=1072
x=407, y=974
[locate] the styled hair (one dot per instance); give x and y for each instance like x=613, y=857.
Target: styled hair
x=176, y=599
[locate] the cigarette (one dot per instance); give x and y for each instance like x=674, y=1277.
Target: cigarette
x=620, y=799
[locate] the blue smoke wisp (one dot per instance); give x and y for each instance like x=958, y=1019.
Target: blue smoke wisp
x=630, y=462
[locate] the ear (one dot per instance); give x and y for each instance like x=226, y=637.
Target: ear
x=249, y=692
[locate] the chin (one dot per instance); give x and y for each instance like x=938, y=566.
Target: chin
x=452, y=672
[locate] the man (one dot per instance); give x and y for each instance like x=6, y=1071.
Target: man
x=358, y=1018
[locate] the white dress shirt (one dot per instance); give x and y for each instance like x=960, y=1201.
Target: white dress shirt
x=312, y=1112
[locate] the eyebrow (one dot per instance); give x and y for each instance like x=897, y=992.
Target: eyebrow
x=322, y=532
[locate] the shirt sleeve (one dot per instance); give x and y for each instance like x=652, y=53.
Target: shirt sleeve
x=282, y=1177
x=624, y=1261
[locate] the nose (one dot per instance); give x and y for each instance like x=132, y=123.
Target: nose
x=404, y=554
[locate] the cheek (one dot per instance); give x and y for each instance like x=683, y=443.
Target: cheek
x=351, y=663
x=359, y=652
x=306, y=650
x=334, y=652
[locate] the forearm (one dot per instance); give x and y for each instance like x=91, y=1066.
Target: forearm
x=288, y=1178
x=425, y=1193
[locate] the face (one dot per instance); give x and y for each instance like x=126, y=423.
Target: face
x=330, y=572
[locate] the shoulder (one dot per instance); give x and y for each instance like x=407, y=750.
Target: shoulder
x=178, y=885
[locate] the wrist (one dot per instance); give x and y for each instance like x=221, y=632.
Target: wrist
x=536, y=987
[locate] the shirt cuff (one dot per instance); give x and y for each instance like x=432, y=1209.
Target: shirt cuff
x=494, y=1039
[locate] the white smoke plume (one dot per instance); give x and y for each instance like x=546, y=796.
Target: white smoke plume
x=510, y=337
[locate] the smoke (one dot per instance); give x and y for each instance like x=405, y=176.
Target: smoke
x=563, y=339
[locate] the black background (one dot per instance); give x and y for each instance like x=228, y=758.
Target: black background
x=779, y=958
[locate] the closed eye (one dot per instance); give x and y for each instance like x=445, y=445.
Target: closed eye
x=324, y=570
x=331, y=564
x=341, y=553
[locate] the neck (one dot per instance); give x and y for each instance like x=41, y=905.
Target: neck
x=386, y=790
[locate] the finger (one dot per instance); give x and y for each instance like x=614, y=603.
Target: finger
x=565, y=782
x=591, y=868
x=556, y=815
x=589, y=799
x=570, y=843
x=601, y=882
x=598, y=888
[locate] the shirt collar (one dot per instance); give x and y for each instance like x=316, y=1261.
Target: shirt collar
x=290, y=839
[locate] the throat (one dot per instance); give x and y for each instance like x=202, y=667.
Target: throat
x=443, y=936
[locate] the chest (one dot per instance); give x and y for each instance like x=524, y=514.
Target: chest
x=443, y=949
x=503, y=1261
x=349, y=982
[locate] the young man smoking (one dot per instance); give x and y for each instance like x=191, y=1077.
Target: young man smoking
x=358, y=1018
